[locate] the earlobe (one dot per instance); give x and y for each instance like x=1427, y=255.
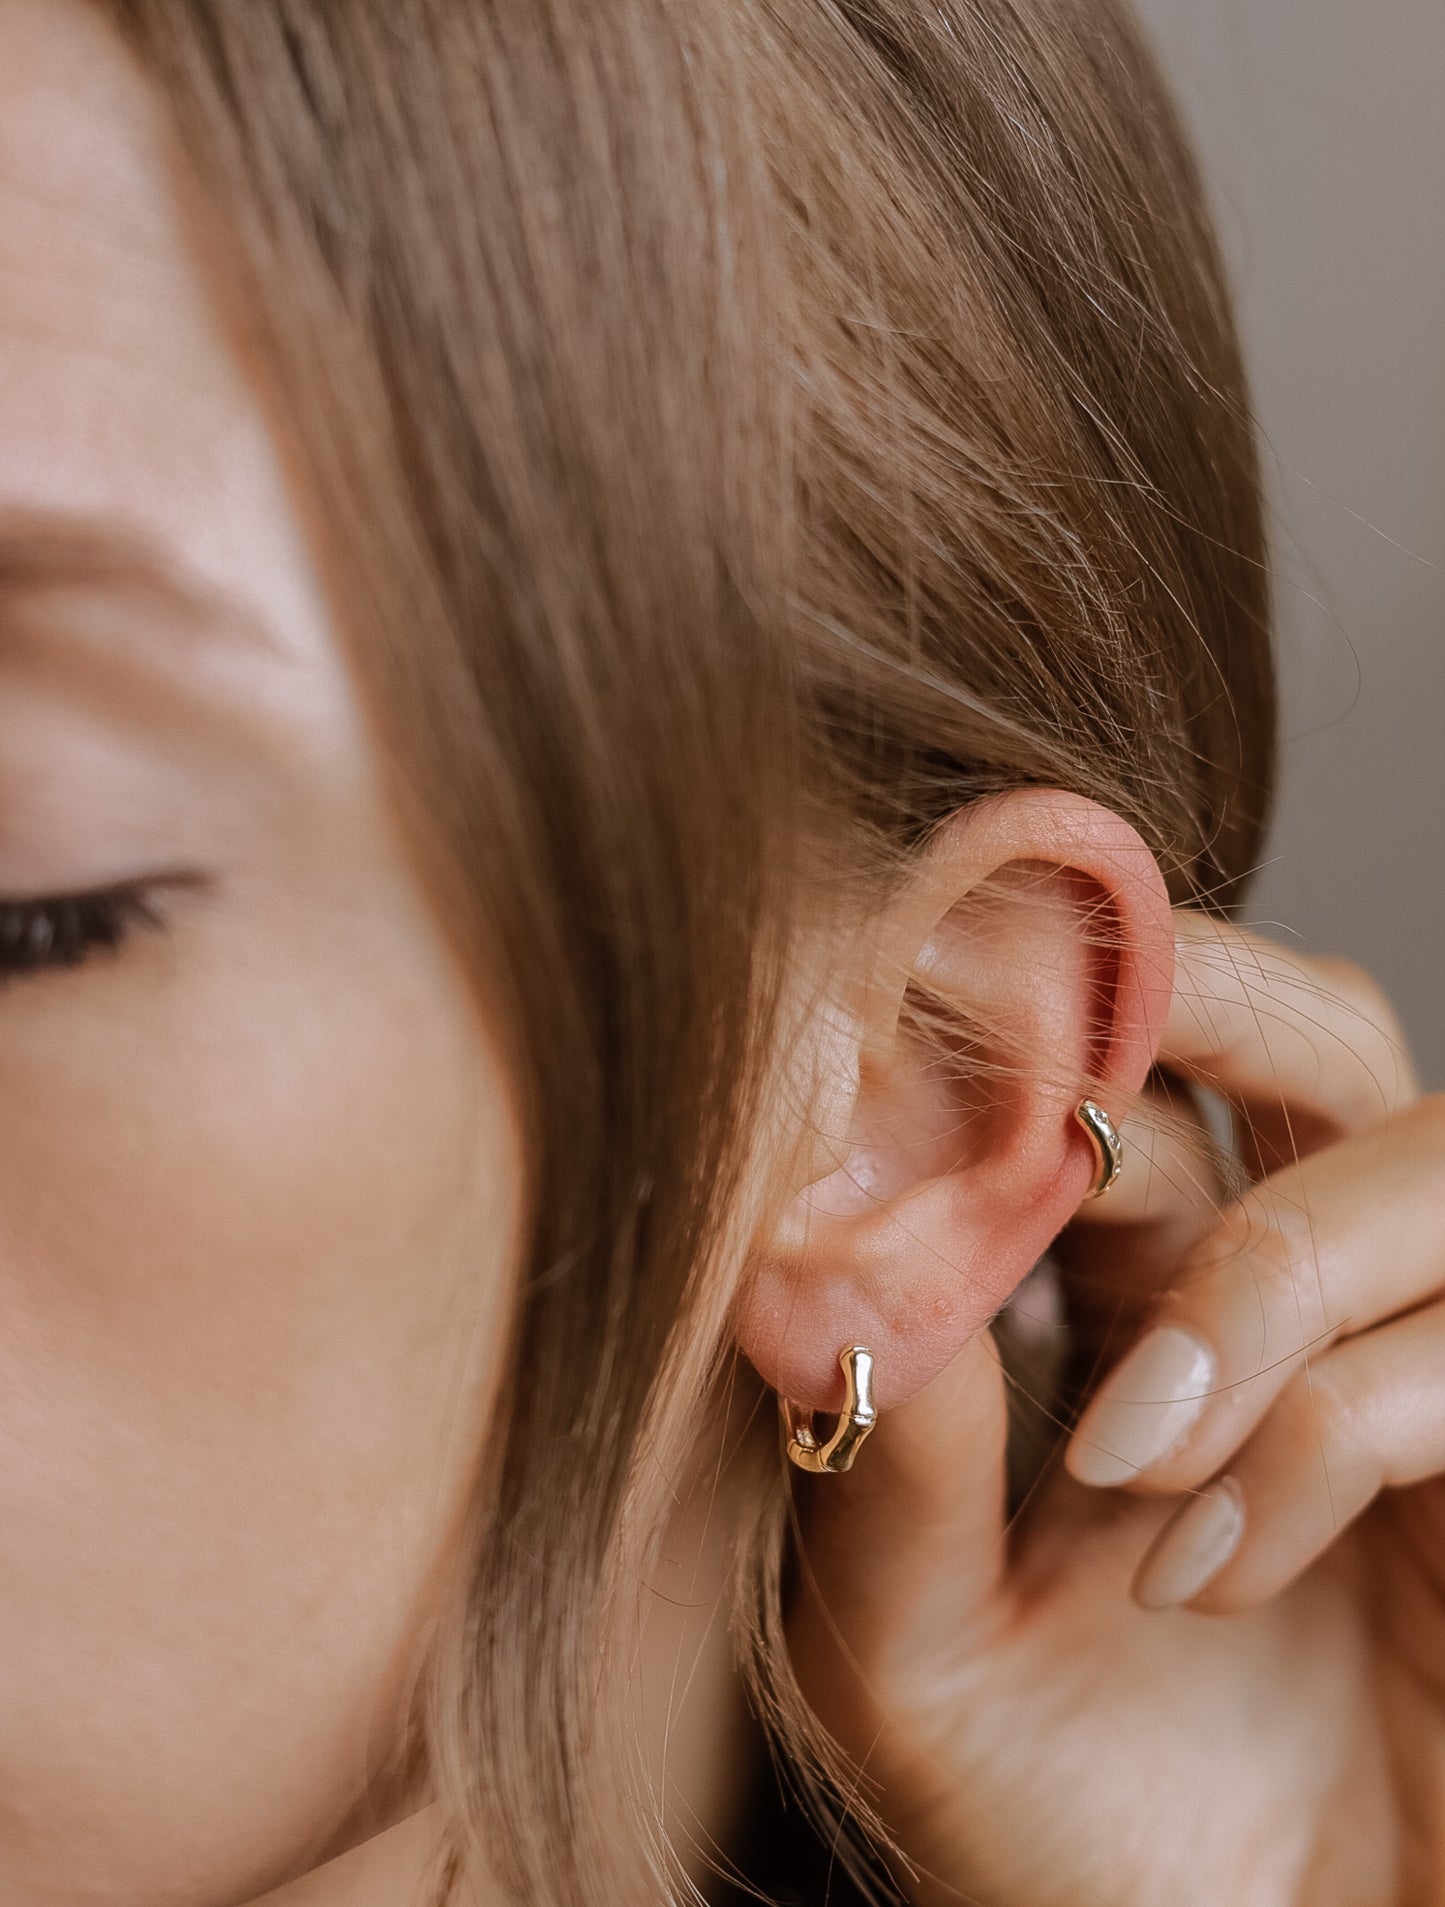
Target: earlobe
x=1026, y=966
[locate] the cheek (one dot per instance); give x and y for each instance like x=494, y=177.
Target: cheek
x=258, y=1216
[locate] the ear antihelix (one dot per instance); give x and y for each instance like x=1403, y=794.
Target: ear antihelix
x=856, y=1419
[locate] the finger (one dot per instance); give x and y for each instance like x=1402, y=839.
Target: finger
x=1260, y=1025
x=1368, y=1416
x=1326, y=1248
x=1308, y=1048
x=912, y=1537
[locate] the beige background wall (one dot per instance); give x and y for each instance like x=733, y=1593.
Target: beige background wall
x=1321, y=124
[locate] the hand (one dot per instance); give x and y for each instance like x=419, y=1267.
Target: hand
x=1206, y=1667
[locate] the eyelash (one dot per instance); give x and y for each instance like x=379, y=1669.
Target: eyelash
x=66, y=930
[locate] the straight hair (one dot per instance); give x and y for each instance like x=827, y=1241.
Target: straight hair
x=729, y=428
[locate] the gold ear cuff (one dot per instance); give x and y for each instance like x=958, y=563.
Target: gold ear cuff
x=856, y=1419
x=1108, y=1146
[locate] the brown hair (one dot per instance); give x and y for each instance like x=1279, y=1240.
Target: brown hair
x=729, y=423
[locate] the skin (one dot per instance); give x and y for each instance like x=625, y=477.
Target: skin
x=227, y=1148
x=259, y=1234
x=1057, y=1713
x=259, y=1170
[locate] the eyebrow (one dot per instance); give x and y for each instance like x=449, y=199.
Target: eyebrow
x=43, y=550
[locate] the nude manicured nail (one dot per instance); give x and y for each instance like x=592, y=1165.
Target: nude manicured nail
x=1144, y=1409
x=1194, y=1548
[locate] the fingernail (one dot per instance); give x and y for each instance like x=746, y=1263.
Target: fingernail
x=1144, y=1409
x=1193, y=1549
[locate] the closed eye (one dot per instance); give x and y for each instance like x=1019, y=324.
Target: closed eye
x=67, y=930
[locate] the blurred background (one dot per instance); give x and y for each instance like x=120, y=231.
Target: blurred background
x=1322, y=135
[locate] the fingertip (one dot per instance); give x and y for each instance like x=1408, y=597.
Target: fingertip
x=1191, y=1551
x=1096, y=1466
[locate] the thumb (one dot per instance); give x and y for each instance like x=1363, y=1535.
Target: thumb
x=903, y=1552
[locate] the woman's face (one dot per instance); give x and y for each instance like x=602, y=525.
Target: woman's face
x=258, y=1165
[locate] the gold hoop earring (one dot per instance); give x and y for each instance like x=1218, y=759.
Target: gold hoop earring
x=1108, y=1146
x=855, y=1420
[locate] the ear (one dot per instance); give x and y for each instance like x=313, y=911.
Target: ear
x=1027, y=961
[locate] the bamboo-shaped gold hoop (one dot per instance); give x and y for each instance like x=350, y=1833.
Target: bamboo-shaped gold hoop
x=855, y=1421
x=1108, y=1146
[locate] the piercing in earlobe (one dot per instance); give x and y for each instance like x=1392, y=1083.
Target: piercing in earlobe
x=855, y=1420
x=1108, y=1146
